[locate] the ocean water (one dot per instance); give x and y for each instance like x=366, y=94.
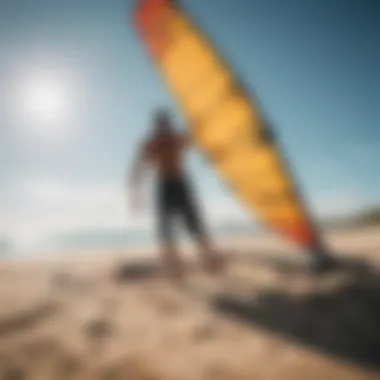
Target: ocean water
x=91, y=240
x=121, y=239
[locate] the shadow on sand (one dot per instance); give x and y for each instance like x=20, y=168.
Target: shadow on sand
x=344, y=322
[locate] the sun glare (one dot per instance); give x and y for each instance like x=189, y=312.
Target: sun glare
x=43, y=103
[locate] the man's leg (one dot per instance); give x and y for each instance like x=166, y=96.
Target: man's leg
x=168, y=252
x=189, y=207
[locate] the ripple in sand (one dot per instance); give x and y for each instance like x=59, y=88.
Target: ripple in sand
x=61, y=280
x=129, y=368
x=40, y=349
x=14, y=373
x=205, y=332
x=68, y=366
x=98, y=333
x=99, y=329
x=168, y=307
x=27, y=318
x=134, y=271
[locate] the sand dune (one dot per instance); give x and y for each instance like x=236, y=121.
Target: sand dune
x=266, y=319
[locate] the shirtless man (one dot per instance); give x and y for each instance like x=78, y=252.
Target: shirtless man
x=164, y=150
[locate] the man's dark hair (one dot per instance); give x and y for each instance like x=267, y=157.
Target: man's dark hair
x=162, y=122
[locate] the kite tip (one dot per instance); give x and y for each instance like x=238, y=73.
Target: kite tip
x=323, y=261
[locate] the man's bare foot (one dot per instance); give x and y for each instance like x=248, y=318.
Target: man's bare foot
x=213, y=263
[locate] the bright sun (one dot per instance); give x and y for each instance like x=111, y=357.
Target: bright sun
x=44, y=104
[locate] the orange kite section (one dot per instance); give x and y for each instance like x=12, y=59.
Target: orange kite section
x=225, y=121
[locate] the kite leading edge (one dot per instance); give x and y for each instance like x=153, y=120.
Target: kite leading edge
x=225, y=121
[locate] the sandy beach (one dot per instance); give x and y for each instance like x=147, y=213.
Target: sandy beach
x=88, y=317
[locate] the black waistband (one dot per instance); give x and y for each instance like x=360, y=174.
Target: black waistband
x=171, y=178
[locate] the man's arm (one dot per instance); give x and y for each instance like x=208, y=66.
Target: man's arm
x=136, y=175
x=138, y=167
x=140, y=163
x=186, y=139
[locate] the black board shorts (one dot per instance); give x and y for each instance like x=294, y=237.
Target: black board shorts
x=175, y=199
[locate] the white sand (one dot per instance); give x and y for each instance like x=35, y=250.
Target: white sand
x=85, y=325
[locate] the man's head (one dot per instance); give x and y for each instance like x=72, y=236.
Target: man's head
x=162, y=123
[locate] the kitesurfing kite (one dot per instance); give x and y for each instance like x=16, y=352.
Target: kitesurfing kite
x=225, y=120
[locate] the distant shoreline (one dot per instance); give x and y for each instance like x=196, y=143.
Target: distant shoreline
x=119, y=240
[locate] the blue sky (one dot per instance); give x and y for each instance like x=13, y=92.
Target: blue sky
x=313, y=65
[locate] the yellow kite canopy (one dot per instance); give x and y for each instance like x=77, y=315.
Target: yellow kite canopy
x=225, y=122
